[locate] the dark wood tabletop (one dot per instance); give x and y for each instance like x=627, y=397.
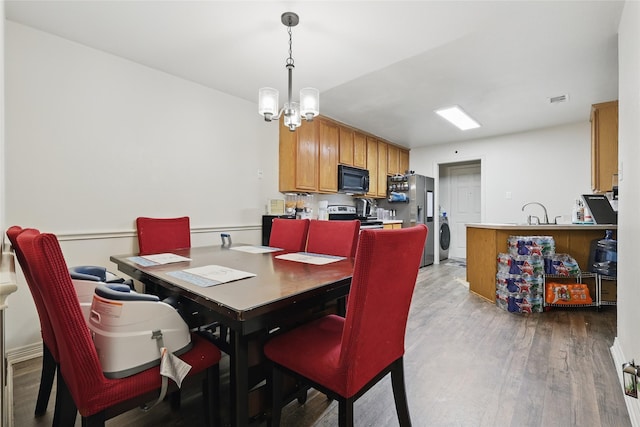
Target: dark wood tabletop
x=278, y=283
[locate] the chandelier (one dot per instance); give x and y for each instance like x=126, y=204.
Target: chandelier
x=309, y=105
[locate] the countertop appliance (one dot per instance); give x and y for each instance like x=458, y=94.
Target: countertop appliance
x=346, y=213
x=366, y=207
x=415, y=195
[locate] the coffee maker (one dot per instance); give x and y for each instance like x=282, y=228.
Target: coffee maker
x=365, y=208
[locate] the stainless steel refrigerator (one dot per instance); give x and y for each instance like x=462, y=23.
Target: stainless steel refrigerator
x=412, y=199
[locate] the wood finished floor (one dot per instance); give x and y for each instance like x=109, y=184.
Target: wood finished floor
x=467, y=363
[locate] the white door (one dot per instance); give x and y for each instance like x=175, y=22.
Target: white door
x=464, y=187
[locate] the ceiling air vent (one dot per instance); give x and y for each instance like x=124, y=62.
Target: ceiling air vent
x=559, y=98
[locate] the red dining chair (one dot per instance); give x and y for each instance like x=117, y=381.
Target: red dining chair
x=289, y=234
x=82, y=386
x=344, y=357
x=49, y=348
x=339, y=238
x=159, y=235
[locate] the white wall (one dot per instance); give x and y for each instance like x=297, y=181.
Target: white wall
x=627, y=344
x=550, y=165
x=94, y=140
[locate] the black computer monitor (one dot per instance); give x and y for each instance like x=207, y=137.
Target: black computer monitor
x=600, y=208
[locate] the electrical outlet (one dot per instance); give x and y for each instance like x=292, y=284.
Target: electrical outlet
x=259, y=173
x=507, y=195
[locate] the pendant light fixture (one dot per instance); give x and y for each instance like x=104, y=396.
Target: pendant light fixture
x=309, y=105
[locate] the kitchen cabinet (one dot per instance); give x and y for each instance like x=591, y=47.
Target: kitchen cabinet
x=604, y=145
x=346, y=146
x=382, y=169
x=393, y=159
x=328, y=160
x=372, y=166
x=299, y=157
x=403, y=161
x=392, y=225
x=486, y=241
x=309, y=157
x=353, y=148
x=359, y=150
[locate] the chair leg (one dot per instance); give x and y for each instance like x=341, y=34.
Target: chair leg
x=66, y=411
x=276, y=396
x=95, y=420
x=345, y=412
x=400, y=393
x=211, y=396
x=175, y=400
x=49, y=368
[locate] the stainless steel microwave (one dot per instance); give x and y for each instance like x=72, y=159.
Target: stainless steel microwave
x=353, y=180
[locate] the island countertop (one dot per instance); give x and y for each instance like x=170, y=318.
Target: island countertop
x=486, y=241
x=538, y=227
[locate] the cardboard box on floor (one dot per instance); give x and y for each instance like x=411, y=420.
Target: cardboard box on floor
x=609, y=290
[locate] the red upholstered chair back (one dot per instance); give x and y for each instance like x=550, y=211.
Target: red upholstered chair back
x=289, y=234
x=45, y=324
x=79, y=363
x=159, y=235
x=384, y=277
x=339, y=238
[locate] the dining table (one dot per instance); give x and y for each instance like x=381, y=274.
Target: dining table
x=279, y=289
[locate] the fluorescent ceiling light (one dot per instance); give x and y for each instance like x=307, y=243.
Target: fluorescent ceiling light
x=458, y=117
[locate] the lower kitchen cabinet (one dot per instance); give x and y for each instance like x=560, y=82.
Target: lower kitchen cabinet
x=392, y=225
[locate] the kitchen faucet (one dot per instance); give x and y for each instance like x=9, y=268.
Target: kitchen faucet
x=546, y=217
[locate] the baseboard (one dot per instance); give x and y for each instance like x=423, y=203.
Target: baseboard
x=14, y=356
x=633, y=405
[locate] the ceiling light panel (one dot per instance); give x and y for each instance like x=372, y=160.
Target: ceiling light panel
x=458, y=117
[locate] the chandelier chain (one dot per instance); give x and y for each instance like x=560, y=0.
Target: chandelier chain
x=290, y=59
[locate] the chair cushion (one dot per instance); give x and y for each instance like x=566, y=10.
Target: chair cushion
x=202, y=355
x=313, y=351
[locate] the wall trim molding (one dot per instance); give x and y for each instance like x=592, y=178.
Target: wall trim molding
x=122, y=234
x=633, y=405
x=14, y=356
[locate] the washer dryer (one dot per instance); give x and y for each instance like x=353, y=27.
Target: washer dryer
x=445, y=237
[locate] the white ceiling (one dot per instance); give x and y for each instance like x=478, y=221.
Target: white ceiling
x=382, y=66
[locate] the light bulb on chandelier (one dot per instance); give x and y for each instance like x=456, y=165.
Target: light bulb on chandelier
x=294, y=112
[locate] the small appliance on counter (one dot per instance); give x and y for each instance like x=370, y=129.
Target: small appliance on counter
x=346, y=213
x=366, y=208
x=299, y=205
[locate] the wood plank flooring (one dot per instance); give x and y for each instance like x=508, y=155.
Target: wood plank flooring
x=467, y=363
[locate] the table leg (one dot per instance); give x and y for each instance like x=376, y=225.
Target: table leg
x=239, y=381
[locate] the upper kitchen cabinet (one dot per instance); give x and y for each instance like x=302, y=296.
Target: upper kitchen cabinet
x=309, y=157
x=346, y=146
x=393, y=159
x=299, y=153
x=604, y=145
x=359, y=150
x=353, y=148
x=328, y=160
x=403, y=161
x=382, y=169
x=398, y=160
x=372, y=166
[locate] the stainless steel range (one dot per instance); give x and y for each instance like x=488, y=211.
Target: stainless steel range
x=346, y=213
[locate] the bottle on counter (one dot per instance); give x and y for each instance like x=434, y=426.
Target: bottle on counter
x=577, y=213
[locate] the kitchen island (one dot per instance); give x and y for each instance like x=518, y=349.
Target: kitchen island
x=486, y=241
